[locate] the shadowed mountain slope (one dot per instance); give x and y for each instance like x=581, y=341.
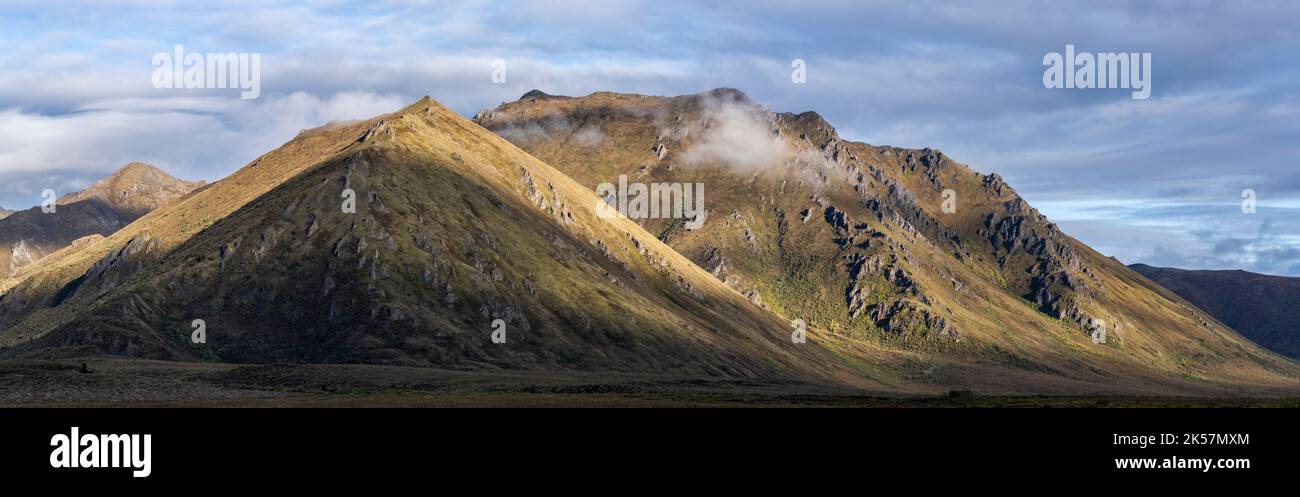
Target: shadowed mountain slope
x=453, y=228
x=1262, y=307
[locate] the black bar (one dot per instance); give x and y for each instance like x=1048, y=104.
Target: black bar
x=318, y=446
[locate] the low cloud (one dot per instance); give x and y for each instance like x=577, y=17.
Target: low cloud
x=737, y=135
x=588, y=136
x=583, y=135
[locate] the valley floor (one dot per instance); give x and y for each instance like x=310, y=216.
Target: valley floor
x=117, y=382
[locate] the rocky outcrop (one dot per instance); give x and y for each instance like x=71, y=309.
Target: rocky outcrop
x=1024, y=242
x=909, y=320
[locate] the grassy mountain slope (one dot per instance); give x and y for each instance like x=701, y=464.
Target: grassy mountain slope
x=454, y=228
x=853, y=239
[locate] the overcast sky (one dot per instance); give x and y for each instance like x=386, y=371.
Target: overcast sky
x=1156, y=181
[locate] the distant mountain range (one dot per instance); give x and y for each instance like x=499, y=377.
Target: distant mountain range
x=1264, y=308
x=410, y=238
x=108, y=205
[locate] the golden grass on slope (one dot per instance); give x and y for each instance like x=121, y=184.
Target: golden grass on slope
x=436, y=131
x=199, y=210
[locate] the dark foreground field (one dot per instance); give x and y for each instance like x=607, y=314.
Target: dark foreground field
x=114, y=382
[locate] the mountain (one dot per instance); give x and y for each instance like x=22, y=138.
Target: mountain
x=855, y=240
x=106, y=206
x=1262, y=307
x=5, y=212
x=453, y=229
x=134, y=190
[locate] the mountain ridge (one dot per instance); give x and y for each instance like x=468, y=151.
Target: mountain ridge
x=456, y=228
x=877, y=258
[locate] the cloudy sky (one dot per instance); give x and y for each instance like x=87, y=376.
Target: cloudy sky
x=1156, y=181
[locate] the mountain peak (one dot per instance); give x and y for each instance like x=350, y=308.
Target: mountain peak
x=135, y=189
x=534, y=93
x=135, y=166
x=139, y=172
x=727, y=94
